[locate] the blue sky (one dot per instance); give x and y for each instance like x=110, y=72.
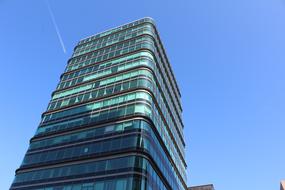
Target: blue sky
x=228, y=58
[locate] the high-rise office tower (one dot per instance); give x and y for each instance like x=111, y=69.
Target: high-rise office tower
x=114, y=120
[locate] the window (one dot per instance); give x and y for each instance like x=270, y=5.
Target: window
x=99, y=186
x=121, y=184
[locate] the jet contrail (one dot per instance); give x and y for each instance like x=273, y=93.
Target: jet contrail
x=55, y=26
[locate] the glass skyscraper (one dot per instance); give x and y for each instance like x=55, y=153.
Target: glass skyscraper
x=114, y=120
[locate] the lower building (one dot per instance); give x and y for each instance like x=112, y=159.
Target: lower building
x=282, y=185
x=202, y=187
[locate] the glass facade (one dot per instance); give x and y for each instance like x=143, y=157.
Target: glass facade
x=114, y=120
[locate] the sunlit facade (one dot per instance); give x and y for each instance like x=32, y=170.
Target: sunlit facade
x=114, y=120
